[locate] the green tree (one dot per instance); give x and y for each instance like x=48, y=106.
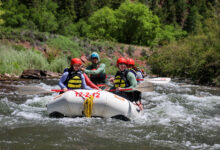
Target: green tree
x=193, y=21
x=196, y=57
x=136, y=24
x=169, y=34
x=103, y=24
x=43, y=15
x=81, y=29
x=66, y=16
x=85, y=8
x=1, y=13
x=16, y=14
x=169, y=12
x=181, y=11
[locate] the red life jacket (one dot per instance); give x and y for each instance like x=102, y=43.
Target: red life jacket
x=98, y=78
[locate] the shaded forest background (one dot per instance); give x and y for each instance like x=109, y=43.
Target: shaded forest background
x=181, y=37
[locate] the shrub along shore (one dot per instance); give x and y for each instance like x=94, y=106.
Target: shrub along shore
x=175, y=38
x=187, y=58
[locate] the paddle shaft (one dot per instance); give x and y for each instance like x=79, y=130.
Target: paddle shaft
x=57, y=90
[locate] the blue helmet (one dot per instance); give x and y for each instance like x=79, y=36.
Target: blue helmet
x=94, y=55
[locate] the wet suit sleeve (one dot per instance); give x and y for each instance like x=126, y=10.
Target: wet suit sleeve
x=84, y=85
x=62, y=80
x=89, y=82
x=133, y=82
x=101, y=69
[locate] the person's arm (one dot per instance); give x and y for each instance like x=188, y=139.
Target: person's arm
x=132, y=80
x=63, y=79
x=101, y=69
x=84, y=85
x=90, y=83
x=139, y=75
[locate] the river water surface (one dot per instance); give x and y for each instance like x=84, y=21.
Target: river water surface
x=176, y=116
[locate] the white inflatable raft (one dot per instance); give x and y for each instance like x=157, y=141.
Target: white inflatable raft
x=105, y=104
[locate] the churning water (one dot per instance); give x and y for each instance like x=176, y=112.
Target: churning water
x=176, y=116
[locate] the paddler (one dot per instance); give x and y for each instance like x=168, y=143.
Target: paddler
x=96, y=70
x=124, y=81
x=135, y=70
x=73, y=78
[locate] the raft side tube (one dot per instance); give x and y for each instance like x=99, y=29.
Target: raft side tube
x=105, y=104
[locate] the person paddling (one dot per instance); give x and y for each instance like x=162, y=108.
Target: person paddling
x=124, y=79
x=96, y=70
x=73, y=78
x=88, y=81
x=135, y=70
x=130, y=66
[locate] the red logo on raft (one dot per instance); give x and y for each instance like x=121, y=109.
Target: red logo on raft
x=87, y=94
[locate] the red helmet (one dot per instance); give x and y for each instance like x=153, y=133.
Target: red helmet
x=121, y=60
x=76, y=61
x=130, y=61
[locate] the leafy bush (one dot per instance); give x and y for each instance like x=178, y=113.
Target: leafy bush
x=18, y=47
x=103, y=24
x=43, y=15
x=192, y=58
x=1, y=13
x=136, y=24
x=12, y=61
x=15, y=13
x=169, y=34
x=131, y=23
x=130, y=50
x=110, y=67
x=15, y=61
x=69, y=47
x=58, y=65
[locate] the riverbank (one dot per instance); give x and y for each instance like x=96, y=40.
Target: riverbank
x=54, y=53
x=186, y=58
x=31, y=74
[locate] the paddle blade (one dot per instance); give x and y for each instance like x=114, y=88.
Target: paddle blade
x=145, y=87
x=32, y=90
x=158, y=80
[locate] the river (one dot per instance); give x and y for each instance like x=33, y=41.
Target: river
x=176, y=115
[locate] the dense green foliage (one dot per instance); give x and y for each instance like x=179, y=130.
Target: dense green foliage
x=183, y=35
x=1, y=13
x=137, y=24
x=103, y=24
x=128, y=22
x=67, y=46
x=196, y=57
x=131, y=23
x=65, y=16
x=16, y=58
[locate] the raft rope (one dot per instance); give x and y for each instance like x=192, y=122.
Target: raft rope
x=88, y=104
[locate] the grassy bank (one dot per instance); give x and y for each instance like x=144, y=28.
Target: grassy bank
x=195, y=57
x=53, y=52
x=47, y=52
x=14, y=60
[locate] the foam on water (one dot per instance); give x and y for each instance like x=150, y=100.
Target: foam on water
x=175, y=115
